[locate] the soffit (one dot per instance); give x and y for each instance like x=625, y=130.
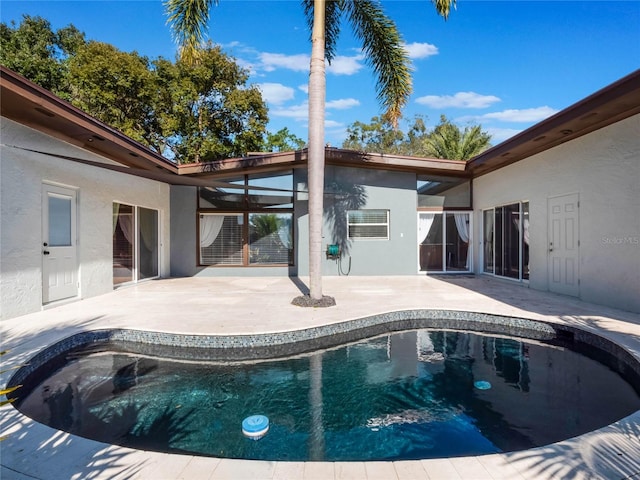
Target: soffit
x=259, y=163
x=35, y=107
x=613, y=103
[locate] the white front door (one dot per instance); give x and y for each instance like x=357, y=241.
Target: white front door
x=59, y=255
x=564, y=243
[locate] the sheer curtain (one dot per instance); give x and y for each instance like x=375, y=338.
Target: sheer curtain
x=210, y=226
x=425, y=221
x=462, y=225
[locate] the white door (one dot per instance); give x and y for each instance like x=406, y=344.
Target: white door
x=59, y=255
x=564, y=244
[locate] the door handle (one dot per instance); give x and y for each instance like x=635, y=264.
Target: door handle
x=46, y=252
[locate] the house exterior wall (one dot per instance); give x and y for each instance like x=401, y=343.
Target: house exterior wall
x=603, y=168
x=346, y=189
x=22, y=175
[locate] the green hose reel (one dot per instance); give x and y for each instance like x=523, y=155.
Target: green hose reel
x=333, y=252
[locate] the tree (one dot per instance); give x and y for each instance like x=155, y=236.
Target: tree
x=116, y=87
x=207, y=110
x=448, y=141
x=38, y=53
x=383, y=49
x=282, y=141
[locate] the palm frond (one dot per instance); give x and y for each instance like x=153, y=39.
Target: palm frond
x=188, y=20
x=443, y=7
x=384, y=52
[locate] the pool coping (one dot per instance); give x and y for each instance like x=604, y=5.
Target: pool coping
x=610, y=452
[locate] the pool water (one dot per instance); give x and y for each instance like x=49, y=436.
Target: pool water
x=409, y=395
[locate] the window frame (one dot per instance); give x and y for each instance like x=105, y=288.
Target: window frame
x=386, y=224
x=497, y=264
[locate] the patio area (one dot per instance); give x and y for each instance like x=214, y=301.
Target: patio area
x=210, y=306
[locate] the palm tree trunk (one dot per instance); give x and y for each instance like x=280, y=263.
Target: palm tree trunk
x=317, y=95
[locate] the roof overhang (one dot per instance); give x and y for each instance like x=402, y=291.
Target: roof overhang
x=33, y=106
x=613, y=103
x=333, y=156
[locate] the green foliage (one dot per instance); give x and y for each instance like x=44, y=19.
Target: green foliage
x=282, y=141
x=38, y=53
x=116, y=87
x=446, y=140
x=190, y=112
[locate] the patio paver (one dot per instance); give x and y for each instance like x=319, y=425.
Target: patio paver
x=261, y=305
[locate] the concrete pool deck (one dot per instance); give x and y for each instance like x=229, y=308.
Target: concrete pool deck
x=262, y=305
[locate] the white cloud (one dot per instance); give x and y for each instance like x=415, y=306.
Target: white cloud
x=342, y=65
x=459, y=100
x=304, y=88
x=417, y=50
x=499, y=135
x=276, y=93
x=343, y=103
x=526, y=115
x=297, y=112
x=272, y=61
x=333, y=124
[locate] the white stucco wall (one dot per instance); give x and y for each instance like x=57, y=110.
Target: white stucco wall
x=22, y=175
x=603, y=167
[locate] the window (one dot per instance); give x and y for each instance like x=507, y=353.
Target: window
x=247, y=226
x=135, y=243
x=443, y=241
x=506, y=241
x=368, y=224
x=443, y=192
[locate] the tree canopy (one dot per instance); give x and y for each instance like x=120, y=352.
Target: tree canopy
x=445, y=140
x=189, y=113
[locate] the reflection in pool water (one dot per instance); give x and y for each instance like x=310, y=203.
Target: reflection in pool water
x=405, y=395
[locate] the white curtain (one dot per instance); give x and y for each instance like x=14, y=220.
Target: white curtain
x=116, y=210
x=425, y=221
x=210, y=226
x=525, y=222
x=284, y=232
x=126, y=225
x=462, y=225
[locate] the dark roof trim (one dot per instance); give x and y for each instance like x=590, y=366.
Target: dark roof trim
x=611, y=104
x=333, y=156
x=25, y=102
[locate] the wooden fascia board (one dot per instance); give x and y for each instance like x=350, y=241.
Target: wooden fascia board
x=133, y=153
x=609, y=105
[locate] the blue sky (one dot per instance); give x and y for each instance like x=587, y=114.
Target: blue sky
x=503, y=64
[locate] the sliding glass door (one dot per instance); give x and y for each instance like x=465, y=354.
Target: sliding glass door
x=443, y=242
x=506, y=241
x=135, y=243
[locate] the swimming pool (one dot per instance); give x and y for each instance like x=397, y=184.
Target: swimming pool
x=407, y=394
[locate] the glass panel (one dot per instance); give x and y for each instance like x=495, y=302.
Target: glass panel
x=271, y=199
x=499, y=240
x=525, y=240
x=431, y=247
x=372, y=224
x=59, y=221
x=439, y=191
x=123, y=238
x=223, y=198
x=270, y=238
x=221, y=239
x=488, y=232
x=147, y=243
x=457, y=246
x=511, y=239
